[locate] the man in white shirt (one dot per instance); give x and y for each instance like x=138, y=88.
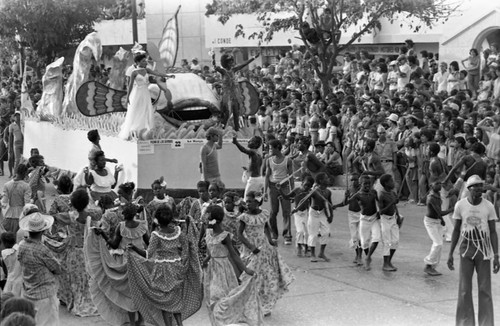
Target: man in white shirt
x=404, y=71
x=440, y=79
x=475, y=233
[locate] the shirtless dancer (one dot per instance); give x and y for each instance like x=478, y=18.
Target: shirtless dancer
x=320, y=216
x=437, y=173
x=369, y=223
x=255, y=181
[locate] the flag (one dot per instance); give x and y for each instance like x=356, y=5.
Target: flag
x=25, y=98
x=169, y=42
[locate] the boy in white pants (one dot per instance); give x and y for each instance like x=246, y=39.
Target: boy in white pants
x=300, y=213
x=320, y=216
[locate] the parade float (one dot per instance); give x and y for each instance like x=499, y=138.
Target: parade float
x=171, y=148
x=185, y=107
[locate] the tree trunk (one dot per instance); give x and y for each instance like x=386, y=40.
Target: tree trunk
x=325, y=84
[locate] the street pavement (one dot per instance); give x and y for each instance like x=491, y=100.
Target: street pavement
x=340, y=293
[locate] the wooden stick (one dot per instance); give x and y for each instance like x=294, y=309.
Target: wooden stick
x=280, y=183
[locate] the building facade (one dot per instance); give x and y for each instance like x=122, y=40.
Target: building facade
x=476, y=24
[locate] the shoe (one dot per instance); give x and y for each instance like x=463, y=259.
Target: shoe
x=431, y=271
x=288, y=242
x=411, y=201
x=421, y=204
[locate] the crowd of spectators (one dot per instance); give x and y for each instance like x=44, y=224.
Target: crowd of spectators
x=122, y=9
x=396, y=105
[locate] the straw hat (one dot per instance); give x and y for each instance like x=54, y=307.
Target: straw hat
x=36, y=222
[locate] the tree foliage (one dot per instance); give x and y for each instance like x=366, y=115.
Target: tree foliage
x=365, y=15
x=48, y=26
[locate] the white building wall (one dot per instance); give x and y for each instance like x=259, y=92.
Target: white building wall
x=198, y=33
x=119, y=32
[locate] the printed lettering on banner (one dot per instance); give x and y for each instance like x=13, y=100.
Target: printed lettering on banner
x=145, y=148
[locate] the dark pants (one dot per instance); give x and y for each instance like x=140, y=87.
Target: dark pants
x=275, y=208
x=465, y=306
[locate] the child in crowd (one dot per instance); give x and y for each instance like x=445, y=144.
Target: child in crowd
x=10, y=264
x=159, y=187
x=369, y=222
x=110, y=215
x=434, y=224
x=129, y=231
x=300, y=213
x=320, y=216
x=17, y=305
x=387, y=200
x=485, y=87
x=230, y=222
x=353, y=215
x=37, y=180
x=227, y=300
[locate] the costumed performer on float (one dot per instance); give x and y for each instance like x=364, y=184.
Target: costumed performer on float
x=232, y=99
x=140, y=111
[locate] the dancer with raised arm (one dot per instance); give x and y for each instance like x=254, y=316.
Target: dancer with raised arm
x=232, y=99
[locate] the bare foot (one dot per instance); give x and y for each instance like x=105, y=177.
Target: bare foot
x=368, y=261
x=299, y=252
x=359, y=261
x=314, y=259
x=324, y=258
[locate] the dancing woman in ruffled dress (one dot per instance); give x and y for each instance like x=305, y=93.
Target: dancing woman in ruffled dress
x=166, y=279
x=261, y=254
x=227, y=301
x=109, y=282
x=140, y=111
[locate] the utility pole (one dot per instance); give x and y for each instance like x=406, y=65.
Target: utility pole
x=134, y=22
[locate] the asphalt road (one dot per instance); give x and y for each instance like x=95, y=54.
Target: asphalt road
x=340, y=293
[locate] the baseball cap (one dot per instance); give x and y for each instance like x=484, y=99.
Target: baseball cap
x=474, y=180
x=393, y=117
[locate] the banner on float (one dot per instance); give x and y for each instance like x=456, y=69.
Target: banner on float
x=178, y=161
